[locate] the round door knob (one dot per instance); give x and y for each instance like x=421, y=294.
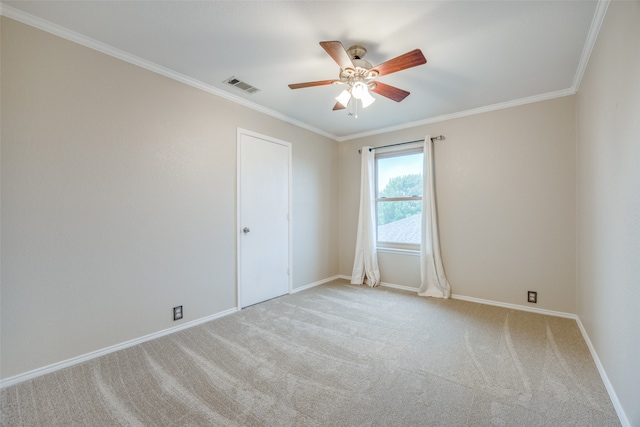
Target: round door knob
x=246, y=230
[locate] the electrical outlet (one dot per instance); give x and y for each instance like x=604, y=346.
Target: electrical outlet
x=177, y=312
x=532, y=297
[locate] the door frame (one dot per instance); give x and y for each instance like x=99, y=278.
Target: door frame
x=239, y=133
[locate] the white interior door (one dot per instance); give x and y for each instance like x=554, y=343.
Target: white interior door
x=263, y=218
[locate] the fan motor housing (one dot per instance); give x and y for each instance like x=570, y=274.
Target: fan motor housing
x=362, y=71
x=356, y=71
x=356, y=52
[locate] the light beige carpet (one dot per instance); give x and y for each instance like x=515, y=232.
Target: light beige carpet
x=335, y=355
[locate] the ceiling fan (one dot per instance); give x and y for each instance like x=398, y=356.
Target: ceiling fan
x=361, y=76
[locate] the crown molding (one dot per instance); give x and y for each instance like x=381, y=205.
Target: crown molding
x=592, y=36
x=594, y=30
x=471, y=112
x=57, y=30
x=62, y=32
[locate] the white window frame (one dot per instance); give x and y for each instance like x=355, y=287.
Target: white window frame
x=395, y=247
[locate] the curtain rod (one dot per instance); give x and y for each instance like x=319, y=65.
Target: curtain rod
x=435, y=138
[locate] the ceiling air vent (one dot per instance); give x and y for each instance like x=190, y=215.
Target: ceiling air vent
x=242, y=85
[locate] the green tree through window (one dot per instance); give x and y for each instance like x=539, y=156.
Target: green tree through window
x=400, y=186
x=399, y=197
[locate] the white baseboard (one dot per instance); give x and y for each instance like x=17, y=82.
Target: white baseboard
x=624, y=420
x=481, y=301
x=612, y=394
x=515, y=306
x=92, y=355
x=401, y=287
x=85, y=357
x=384, y=284
x=311, y=285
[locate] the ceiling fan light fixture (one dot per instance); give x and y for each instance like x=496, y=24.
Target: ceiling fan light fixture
x=344, y=98
x=359, y=75
x=367, y=99
x=359, y=89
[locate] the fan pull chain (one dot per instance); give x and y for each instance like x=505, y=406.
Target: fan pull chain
x=354, y=108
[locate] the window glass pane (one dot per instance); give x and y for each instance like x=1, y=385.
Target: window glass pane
x=400, y=176
x=399, y=221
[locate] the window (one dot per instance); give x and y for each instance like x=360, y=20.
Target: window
x=399, y=198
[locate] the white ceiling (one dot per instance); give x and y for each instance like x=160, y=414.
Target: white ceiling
x=481, y=54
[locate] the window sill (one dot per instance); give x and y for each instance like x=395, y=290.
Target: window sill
x=411, y=252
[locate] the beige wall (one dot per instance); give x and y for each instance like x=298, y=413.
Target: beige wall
x=608, y=201
x=505, y=183
x=118, y=200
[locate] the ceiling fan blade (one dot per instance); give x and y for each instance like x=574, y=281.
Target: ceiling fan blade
x=402, y=62
x=311, y=84
x=338, y=106
x=338, y=53
x=390, y=92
